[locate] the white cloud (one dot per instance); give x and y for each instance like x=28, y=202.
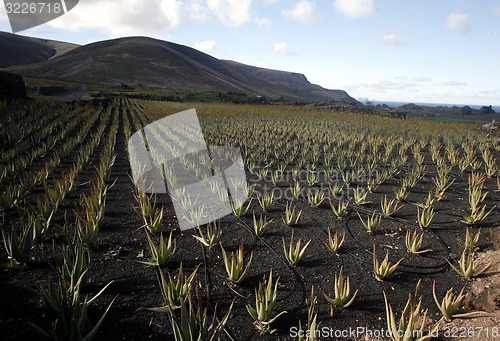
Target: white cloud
x=303, y=11
x=401, y=83
x=281, y=48
x=205, y=46
x=455, y=83
x=354, y=8
x=263, y=22
x=122, y=18
x=231, y=13
x=392, y=38
x=421, y=79
x=197, y=10
x=495, y=8
x=493, y=94
x=458, y=22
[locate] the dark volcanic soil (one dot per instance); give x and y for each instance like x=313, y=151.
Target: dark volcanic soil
x=136, y=286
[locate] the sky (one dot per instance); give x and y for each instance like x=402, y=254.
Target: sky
x=421, y=51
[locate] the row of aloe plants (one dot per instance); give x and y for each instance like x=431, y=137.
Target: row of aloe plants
x=236, y=269
x=64, y=299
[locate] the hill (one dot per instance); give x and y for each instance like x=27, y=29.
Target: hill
x=147, y=62
x=20, y=50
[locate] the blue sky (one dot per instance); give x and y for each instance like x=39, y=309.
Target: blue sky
x=443, y=51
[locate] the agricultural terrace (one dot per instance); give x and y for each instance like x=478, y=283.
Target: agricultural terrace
x=350, y=219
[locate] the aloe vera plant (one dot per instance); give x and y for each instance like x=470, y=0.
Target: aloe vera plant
x=175, y=292
x=414, y=241
x=360, y=195
x=19, y=245
x=163, y=253
x=239, y=209
x=476, y=216
x=261, y=225
x=265, y=304
x=336, y=188
x=425, y=216
x=266, y=200
x=451, y=303
x=295, y=252
x=384, y=269
x=71, y=264
x=65, y=302
x=235, y=267
x=212, y=235
x=341, y=293
x=467, y=265
x=340, y=210
x=401, y=193
x=470, y=241
x=389, y=207
x=407, y=329
x=151, y=215
x=372, y=222
x=334, y=243
x=310, y=334
x=296, y=189
x=292, y=215
x=315, y=197
x=429, y=201
x=193, y=323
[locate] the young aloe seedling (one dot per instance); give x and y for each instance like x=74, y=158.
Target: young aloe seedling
x=212, y=236
x=425, y=216
x=235, y=268
x=341, y=209
x=175, y=292
x=315, y=197
x=266, y=201
x=295, y=252
x=265, y=302
x=471, y=242
x=193, y=323
x=163, y=253
x=407, y=329
x=468, y=267
x=385, y=269
x=262, y=225
x=413, y=242
x=372, y=222
x=450, y=304
x=342, y=293
x=334, y=243
x=360, y=195
x=291, y=216
x=389, y=207
x=239, y=208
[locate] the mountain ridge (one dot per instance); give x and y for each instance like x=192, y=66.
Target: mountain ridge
x=22, y=50
x=148, y=62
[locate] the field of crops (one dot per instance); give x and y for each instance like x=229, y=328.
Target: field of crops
x=351, y=219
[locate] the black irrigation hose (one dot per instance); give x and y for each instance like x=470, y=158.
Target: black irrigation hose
x=287, y=266
x=209, y=282
x=451, y=192
x=439, y=268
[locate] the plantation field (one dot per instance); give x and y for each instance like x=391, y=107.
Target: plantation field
x=80, y=239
